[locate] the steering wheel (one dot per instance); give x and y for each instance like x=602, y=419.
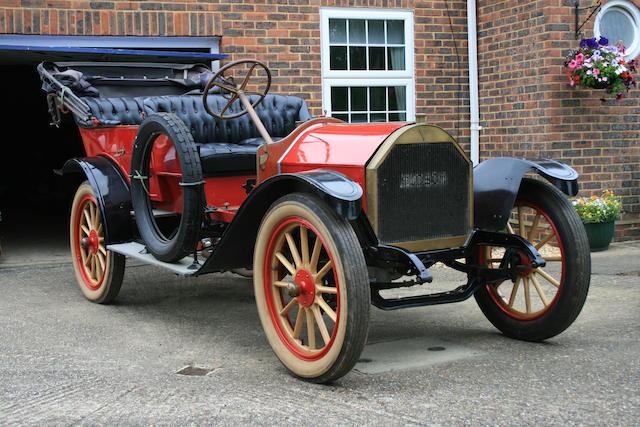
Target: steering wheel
x=232, y=90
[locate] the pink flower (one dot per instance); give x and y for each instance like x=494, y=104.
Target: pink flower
x=596, y=71
x=572, y=83
x=579, y=57
x=572, y=64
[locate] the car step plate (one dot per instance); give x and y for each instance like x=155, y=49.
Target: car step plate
x=138, y=251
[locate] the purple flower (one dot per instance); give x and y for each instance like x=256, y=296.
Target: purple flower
x=591, y=43
x=603, y=41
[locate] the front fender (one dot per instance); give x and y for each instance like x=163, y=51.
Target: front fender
x=496, y=183
x=111, y=190
x=235, y=249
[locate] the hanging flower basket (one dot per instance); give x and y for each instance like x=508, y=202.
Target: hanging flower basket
x=599, y=65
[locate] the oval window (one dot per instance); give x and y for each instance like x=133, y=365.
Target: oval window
x=619, y=21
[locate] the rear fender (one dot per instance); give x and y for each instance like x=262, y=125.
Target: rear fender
x=235, y=249
x=111, y=190
x=496, y=183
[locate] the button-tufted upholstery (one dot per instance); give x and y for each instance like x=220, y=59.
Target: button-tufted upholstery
x=113, y=111
x=226, y=146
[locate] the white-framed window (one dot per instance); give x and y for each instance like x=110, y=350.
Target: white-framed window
x=619, y=21
x=367, y=64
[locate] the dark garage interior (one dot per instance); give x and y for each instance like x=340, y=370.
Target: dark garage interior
x=34, y=201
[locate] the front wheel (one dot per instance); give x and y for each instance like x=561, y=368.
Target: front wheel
x=311, y=287
x=541, y=302
x=99, y=272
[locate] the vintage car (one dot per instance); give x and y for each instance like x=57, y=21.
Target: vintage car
x=200, y=172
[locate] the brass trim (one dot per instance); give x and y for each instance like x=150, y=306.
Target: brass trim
x=418, y=133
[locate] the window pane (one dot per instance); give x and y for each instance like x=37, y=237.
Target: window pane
x=378, y=98
x=376, y=58
x=397, y=117
x=357, y=58
x=356, y=31
x=396, y=58
x=378, y=117
x=338, y=57
x=359, y=104
x=397, y=98
x=617, y=26
x=338, y=99
x=337, y=30
x=395, y=32
x=358, y=118
x=358, y=99
x=376, y=32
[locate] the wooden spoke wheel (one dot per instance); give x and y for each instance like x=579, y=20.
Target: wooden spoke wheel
x=99, y=272
x=311, y=288
x=541, y=302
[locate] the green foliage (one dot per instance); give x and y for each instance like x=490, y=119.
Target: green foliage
x=596, y=209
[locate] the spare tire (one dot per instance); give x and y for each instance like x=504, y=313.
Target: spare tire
x=182, y=240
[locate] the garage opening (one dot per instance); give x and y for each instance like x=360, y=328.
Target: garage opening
x=34, y=201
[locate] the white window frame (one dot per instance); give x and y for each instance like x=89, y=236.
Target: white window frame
x=367, y=78
x=629, y=9
x=410, y=101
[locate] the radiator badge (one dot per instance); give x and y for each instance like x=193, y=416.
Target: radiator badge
x=414, y=181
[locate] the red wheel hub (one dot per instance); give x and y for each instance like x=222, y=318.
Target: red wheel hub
x=525, y=262
x=93, y=242
x=307, y=287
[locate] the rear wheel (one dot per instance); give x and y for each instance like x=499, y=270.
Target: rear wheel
x=99, y=272
x=541, y=302
x=311, y=288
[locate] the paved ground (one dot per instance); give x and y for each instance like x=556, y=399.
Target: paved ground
x=64, y=361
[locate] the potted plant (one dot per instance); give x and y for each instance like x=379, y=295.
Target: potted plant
x=599, y=65
x=598, y=215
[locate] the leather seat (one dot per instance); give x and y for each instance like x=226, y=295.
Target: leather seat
x=113, y=111
x=225, y=146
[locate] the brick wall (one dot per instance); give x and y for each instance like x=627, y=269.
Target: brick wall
x=114, y=18
x=285, y=34
x=288, y=38
x=528, y=109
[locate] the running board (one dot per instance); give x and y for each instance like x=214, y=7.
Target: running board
x=183, y=267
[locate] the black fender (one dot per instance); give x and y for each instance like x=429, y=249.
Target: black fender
x=235, y=249
x=111, y=190
x=496, y=183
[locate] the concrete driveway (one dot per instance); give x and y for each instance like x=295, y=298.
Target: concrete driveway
x=65, y=361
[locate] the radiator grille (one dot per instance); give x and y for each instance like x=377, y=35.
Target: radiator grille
x=423, y=193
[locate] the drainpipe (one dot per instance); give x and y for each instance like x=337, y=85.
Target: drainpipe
x=473, y=82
